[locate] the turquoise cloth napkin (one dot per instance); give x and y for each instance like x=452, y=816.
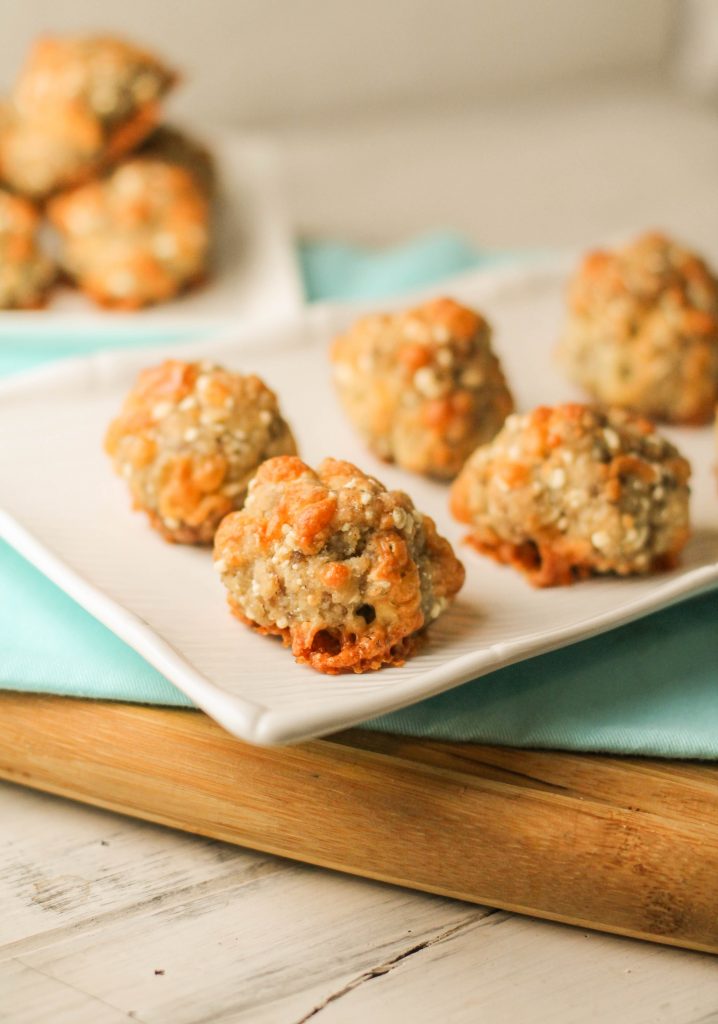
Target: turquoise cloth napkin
x=334, y=271
x=648, y=688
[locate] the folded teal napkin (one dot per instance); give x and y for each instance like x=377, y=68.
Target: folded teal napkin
x=648, y=688
x=339, y=272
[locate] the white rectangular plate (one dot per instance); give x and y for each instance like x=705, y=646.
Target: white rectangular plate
x=253, y=273
x=64, y=510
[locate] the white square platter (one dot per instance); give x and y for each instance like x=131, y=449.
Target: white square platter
x=62, y=508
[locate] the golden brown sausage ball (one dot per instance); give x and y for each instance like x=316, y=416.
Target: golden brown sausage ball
x=347, y=573
x=422, y=387
x=566, y=492
x=172, y=146
x=188, y=440
x=642, y=330
x=136, y=237
x=80, y=104
x=25, y=272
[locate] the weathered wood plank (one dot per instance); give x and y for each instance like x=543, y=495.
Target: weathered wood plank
x=507, y=969
x=30, y=997
x=280, y=943
x=304, y=945
x=61, y=866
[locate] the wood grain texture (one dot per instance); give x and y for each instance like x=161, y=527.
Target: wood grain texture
x=623, y=845
x=506, y=969
x=239, y=937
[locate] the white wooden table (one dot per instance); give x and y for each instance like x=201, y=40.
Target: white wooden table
x=107, y=920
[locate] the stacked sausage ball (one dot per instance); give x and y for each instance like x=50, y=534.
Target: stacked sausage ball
x=349, y=574
x=129, y=200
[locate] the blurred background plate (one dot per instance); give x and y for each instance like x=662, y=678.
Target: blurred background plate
x=254, y=275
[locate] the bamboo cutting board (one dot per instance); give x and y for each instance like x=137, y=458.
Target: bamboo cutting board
x=623, y=845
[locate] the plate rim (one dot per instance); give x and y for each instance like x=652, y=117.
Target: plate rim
x=256, y=723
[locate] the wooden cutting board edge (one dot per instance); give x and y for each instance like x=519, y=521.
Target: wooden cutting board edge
x=624, y=845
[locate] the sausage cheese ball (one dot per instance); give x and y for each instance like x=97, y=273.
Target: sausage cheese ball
x=188, y=440
x=423, y=387
x=566, y=492
x=79, y=105
x=642, y=330
x=25, y=272
x=136, y=237
x=172, y=146
x=347, y=573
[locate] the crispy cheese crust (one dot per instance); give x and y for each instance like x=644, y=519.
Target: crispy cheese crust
x=423, y=387
x=347, y=573
x=136, y=237
x=642, y=330
x=567, y=492
x=79, y=104
x=26, y=274
x=188, y=440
